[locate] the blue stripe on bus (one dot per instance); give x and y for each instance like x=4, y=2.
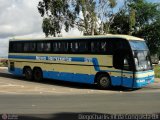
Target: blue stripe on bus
x=74, y=59
x=78, y=59
x=22, y=57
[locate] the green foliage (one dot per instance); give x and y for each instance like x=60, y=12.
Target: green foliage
x=132, y=20
x=4, y=63
x=141, y=19
x=148, y=24
x=55, y=13
x=151, y=34
x=120, y=24
x=83, y=14
x=157, y=71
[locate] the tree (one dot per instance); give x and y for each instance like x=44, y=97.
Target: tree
x=151, y=34
x=120, y=24
x=141, y=19
x=88, y=16
x=56, y=13
x=148, y=23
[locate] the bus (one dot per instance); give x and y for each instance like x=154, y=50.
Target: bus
x=107, y=60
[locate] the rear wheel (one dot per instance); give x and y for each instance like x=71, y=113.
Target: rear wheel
x=103, y=81
x=28, y=73
x=37, y=74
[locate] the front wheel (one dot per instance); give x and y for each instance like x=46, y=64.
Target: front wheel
x=104, y=81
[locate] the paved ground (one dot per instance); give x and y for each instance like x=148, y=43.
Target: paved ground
x=96, y=103
x=10, y=84
x=57, y=100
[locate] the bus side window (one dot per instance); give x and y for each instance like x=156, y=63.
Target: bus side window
x=19, y=47
x=65, y=47
x=95, y=47
x=40, y=46
x=32, y=47
x=74, y=47
x=103, y=46
x=83, y=47
x=11, y=47
x=55, y=46
x=26, y=47
x=47, y=47
x=15, y=47
x=61, y=47
x=92, y=47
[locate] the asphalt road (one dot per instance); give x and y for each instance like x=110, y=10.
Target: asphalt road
x=58, y=100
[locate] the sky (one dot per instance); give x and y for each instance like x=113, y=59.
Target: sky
x=20, y=18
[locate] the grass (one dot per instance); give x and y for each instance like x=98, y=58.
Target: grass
x=157, y=71
x=3, y=64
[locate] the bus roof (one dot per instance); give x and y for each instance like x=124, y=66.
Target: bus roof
x=127, y=37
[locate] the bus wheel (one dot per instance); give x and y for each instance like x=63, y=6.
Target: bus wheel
x=37, y=74
x=103, y=81
x=28, y=73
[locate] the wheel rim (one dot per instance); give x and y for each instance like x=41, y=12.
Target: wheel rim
x=37, y=74
x=104, y=81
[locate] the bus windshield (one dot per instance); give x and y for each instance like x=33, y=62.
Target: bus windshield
x=141, y=55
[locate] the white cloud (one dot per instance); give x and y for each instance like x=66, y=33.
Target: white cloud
x=4, y=47
x=20, y=18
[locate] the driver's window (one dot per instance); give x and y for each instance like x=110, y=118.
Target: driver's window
x=127, y=65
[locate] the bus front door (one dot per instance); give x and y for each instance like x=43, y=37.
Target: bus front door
x=127, y=73
x=123, y=63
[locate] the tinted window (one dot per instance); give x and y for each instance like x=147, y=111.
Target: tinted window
x=40, y=46
x=79, y=47
x=102, y=46
x=74, y=47
x=26, y=47
x=29, y=47
x=15, y=47
x=62, y=46
x=47, y=46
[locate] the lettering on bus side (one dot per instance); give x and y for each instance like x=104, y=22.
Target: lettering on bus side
x=88, y=60
x=59, y=58
x=68, y=59
x=41, y=58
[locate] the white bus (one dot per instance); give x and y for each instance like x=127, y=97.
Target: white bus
x=108, y=60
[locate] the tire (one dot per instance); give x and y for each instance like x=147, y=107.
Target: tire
x=28, y=73
x=37, y=74
x=104, y=81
